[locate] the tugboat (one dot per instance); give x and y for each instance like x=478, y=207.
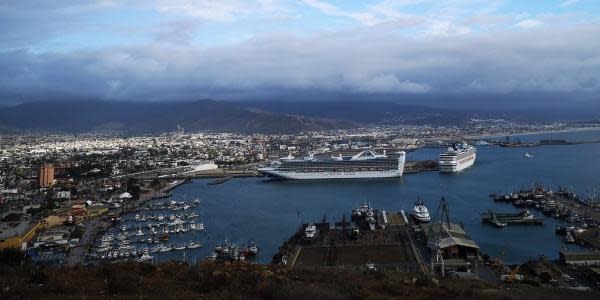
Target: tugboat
x=420, y=213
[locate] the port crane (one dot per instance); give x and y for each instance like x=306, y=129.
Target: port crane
x=434, y=242
x=512, y=276
x=498, y=261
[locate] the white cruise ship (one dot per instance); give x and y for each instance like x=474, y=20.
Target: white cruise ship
x=366, y=164
x=457, y=158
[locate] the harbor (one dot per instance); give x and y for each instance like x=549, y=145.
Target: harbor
x=229, y=205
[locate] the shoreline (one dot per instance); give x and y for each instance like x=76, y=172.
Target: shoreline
x=566, y=130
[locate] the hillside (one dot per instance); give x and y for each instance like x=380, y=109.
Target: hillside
x=158, y=117
x=176, y=280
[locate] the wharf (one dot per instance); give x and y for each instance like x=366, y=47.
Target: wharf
x=389, y=247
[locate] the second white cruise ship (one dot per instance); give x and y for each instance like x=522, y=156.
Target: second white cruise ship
x=457, y=158
x=366, y=164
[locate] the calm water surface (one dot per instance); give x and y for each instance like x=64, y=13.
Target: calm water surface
x=270, y=211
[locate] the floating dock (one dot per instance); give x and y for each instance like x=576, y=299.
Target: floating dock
x=503, y=219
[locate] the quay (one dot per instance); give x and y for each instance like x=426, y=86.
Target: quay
x=386, y=241
x=387, y=246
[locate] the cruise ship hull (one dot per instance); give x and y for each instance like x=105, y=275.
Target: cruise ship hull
x=456, y=166
x=329, y=175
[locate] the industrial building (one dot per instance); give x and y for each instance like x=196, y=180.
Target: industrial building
x=580, y=258
x=453, y=241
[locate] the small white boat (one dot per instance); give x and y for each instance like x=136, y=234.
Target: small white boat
x=253, y=250
x=310, y=232
x=165, y=249
x=145, y=256
x=528, y=155
x=420, y=213
x=192, y=245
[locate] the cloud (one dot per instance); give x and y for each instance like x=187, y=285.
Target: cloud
x=222, y=10
x=388, y=83
x=332, y=10
x=375, y=60
x=569, y=3
x=529, y=23
x=177, y=32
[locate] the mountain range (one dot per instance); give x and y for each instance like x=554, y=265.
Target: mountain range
x=277, y=117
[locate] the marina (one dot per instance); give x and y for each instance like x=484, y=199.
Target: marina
x=153, y=229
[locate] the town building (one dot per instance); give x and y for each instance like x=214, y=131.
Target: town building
x=46, y=175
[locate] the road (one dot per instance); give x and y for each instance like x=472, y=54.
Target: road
x=76, y=254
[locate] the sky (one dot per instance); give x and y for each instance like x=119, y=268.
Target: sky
x=232, y=49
